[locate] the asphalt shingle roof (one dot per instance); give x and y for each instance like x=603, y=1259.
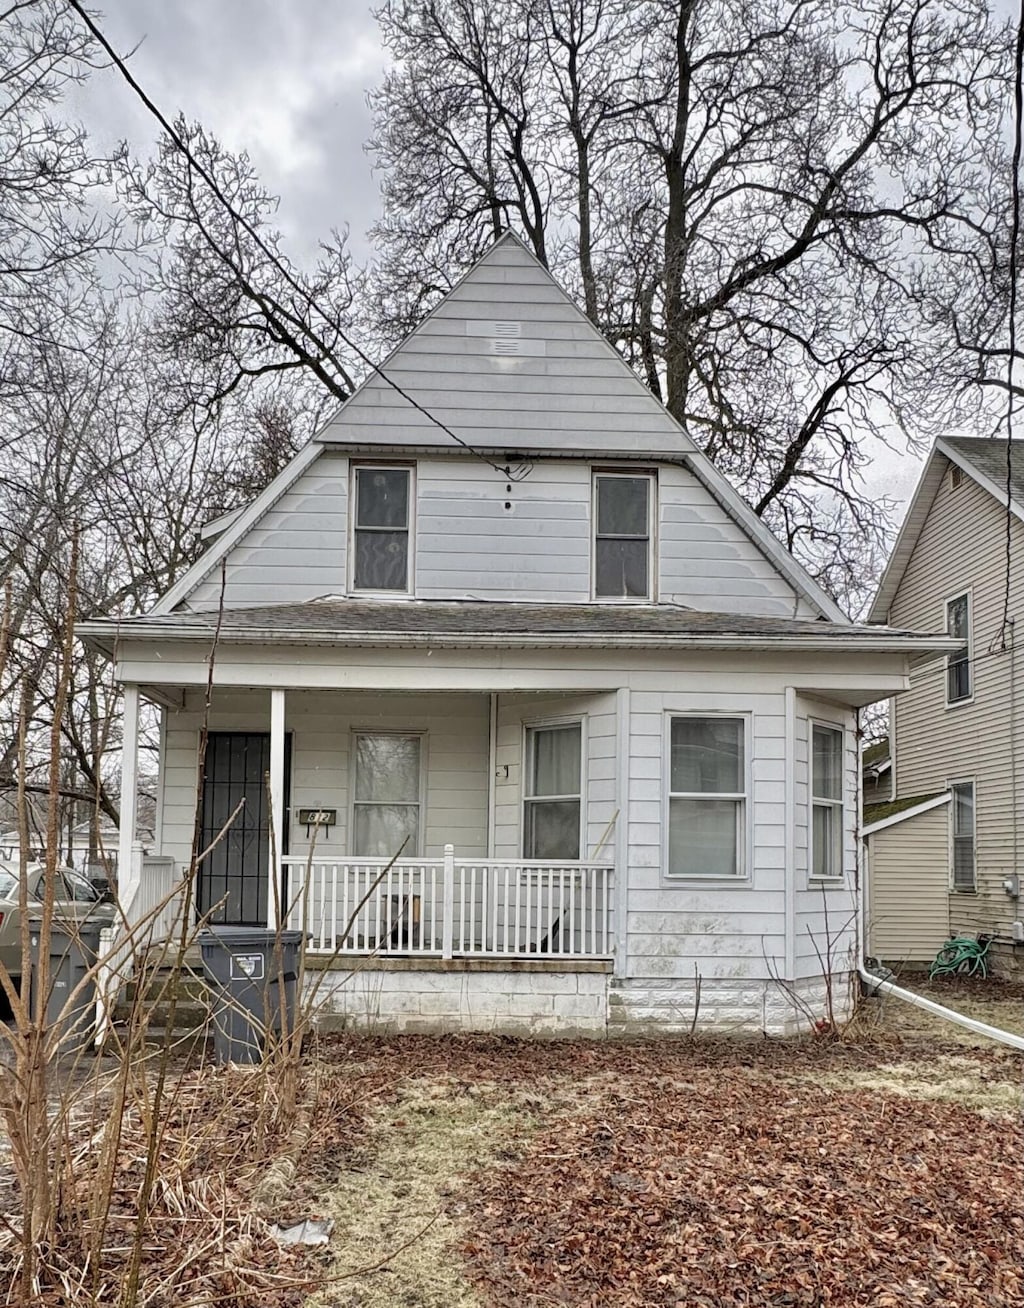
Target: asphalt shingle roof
x=988, y=456
x=495, y=619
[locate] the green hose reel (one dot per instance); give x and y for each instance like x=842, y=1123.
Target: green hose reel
x=961, y=956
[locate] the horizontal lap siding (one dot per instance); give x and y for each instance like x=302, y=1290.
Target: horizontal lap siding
x=908, y=906
x=295, y=552
x=322, y=724
x=469, y=545
x=721, y=930
x=962, y=547
x=707, y=561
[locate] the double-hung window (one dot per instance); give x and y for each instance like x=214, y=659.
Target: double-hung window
x=380, y=536
x=386, y=808
x=707, y=797
x=958, y=666
x=826, y=802
x=963, y=878
x=622, y=536
x=553, y=791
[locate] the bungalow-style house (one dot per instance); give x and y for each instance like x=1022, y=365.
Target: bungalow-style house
x=945, y=848
x=502, y=618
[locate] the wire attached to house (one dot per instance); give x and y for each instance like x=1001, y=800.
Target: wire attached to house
x=509, y=473
x=1018, y=114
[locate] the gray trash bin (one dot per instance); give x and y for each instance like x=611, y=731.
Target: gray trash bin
x=246, y=985
x=74, y=946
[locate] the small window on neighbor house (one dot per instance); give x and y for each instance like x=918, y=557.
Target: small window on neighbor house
x=956, y=476
x=707, y=797
x=622, y=536
x=380, y=538
x=958, y=666
x=963, y=835
x=552, y=794
x=826, y=802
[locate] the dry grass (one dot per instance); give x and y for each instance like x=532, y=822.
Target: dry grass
x=404, y=1197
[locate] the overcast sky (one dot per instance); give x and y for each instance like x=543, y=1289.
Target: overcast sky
x=285, y=80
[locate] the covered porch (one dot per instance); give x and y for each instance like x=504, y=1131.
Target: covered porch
x=421, y=825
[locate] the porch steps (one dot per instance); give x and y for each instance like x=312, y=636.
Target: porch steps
x=192, y=1009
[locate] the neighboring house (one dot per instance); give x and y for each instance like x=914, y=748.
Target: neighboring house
x=559, y=664
x=945, y=852
x=876, y=772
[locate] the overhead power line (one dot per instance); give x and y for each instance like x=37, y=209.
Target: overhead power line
x=182, y=146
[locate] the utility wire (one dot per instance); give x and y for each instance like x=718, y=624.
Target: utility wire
x=1018, y=114
x=182, y=147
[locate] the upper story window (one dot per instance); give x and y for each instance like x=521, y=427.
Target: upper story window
x=826, y=802
x=622, y=536
x=707, y=797
x=381, y=517
x=958, y=666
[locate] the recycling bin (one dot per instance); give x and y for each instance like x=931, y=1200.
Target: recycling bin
x=250, y=972
x=74, y=947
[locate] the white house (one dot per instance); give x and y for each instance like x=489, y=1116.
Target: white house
x=503, y=610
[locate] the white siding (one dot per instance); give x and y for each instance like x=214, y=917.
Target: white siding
x=295, y=552
x=322, y=723
x=908, y=903
x=477, y=536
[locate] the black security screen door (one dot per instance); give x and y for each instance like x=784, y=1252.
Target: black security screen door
x=232, y=881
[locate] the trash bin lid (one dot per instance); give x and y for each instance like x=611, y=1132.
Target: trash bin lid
x=244, y=937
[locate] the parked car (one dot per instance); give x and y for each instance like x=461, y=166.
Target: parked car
x=74, y=897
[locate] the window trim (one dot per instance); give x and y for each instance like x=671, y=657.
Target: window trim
x=969, y=660
x=835, y=878
x=636, y=474
x=355, y=732
x=381, y=465
x=951, y=785
x=542, y=724
x=745, y=837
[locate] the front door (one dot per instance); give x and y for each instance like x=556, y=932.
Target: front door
x=232, y=886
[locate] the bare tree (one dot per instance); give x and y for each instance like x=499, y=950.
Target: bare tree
x=747, y=199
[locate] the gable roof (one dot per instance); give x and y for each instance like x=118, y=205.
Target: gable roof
x=514, y=368
x=982, y=458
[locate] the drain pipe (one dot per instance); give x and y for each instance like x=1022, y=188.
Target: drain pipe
x=875, y=983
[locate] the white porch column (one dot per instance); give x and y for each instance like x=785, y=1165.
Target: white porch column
x=620, y=883
x=277, y=799
x=789, y=876
x=128, y=867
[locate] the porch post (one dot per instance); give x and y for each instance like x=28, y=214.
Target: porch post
x=277, y=813
x=127, y=865
x=620, y=873
x=448, y=902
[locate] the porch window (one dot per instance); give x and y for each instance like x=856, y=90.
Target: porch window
x=551, y=803
x=622, y=539
x=707, y=797
x=380, y=537
x=958, y=666
x=387, y=795
x=826, y=802
x=963, y=836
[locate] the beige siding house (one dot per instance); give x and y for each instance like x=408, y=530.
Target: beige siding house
x=503, y=618
x=956, y=735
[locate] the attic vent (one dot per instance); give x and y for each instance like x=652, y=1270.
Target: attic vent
x=506, y=338
x=956, y=476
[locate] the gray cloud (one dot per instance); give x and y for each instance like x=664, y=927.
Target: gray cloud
x=286, y=82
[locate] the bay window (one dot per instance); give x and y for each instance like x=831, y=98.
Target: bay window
x=707, y=797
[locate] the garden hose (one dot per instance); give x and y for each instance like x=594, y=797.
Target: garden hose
x=961, y=956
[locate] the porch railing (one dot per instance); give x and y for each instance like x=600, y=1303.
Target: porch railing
x=453, y=907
